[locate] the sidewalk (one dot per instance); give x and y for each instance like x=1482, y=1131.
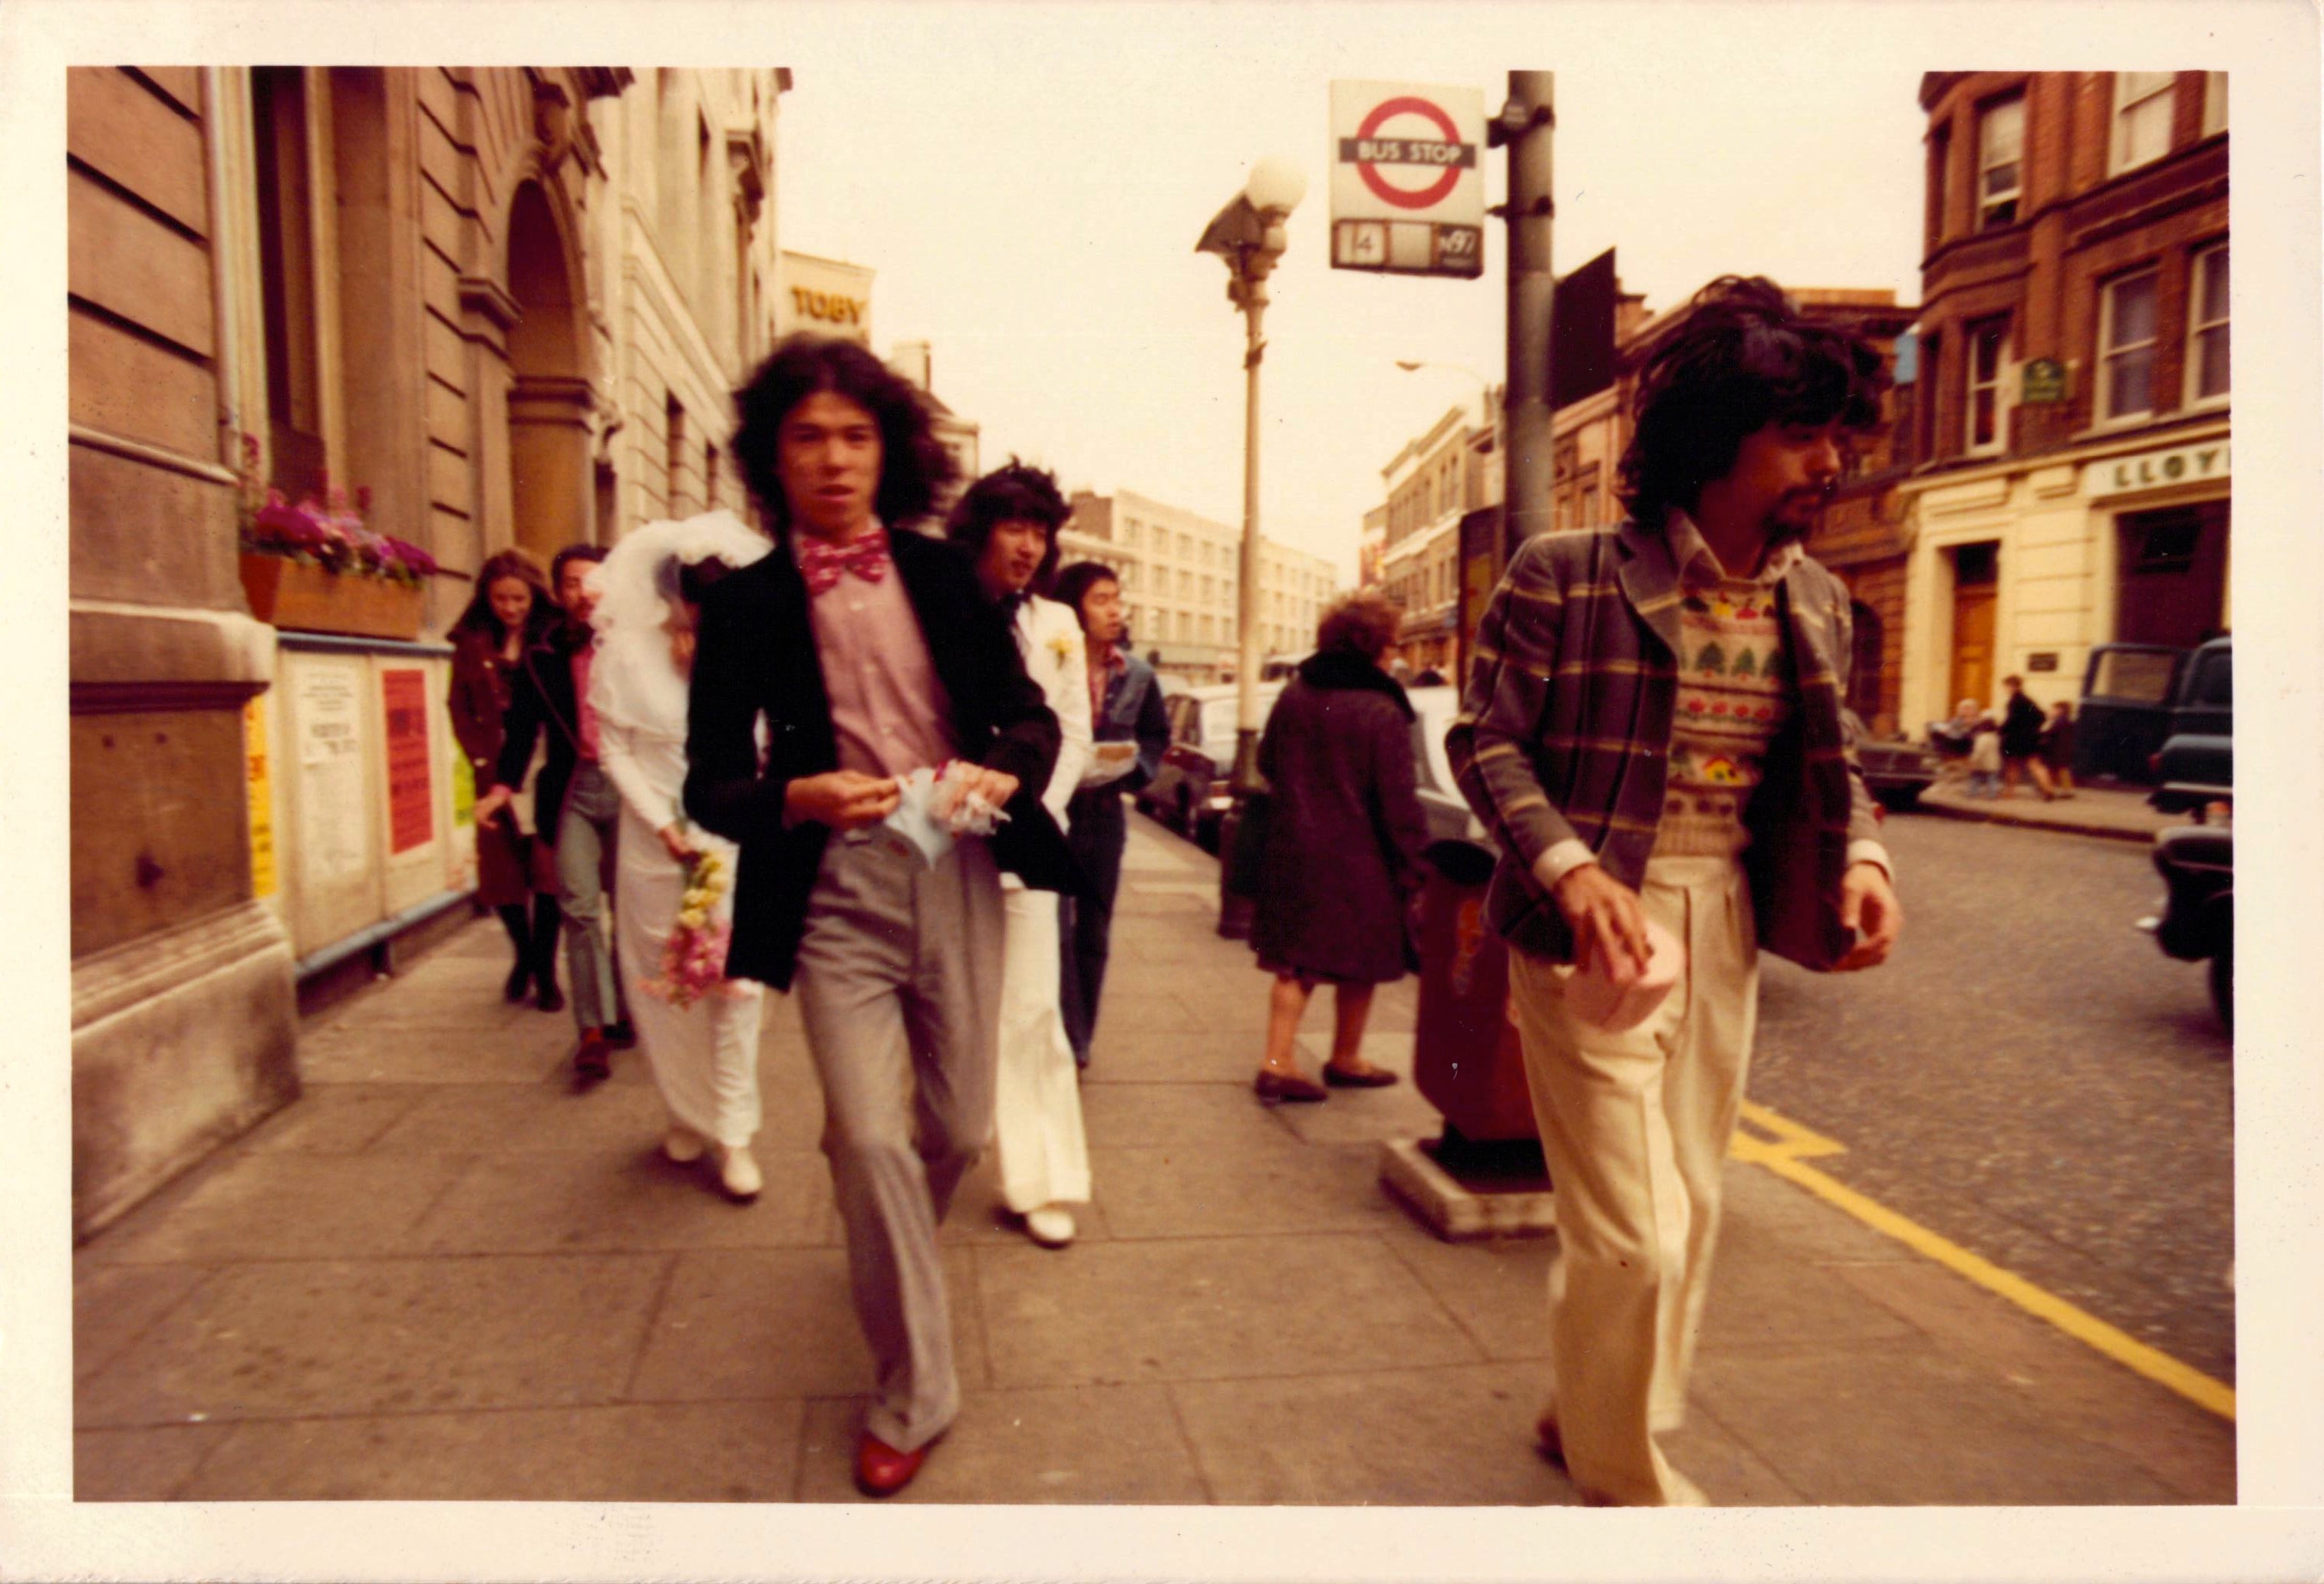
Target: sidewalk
x=442, y=1275
x=2123, y=813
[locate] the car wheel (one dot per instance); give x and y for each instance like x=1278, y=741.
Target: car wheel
x=1899, y=799
x=2223, y=985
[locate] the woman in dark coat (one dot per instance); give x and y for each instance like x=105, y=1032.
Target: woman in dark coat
x=513, y=608
x=1344, y=836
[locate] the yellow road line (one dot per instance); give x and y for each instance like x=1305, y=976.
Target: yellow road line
x=1787, y=1153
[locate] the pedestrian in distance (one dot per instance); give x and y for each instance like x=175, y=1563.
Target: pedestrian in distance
x=699, y=1029
x=1652, y=727
x=574, y=805
x=1129, y=713
x=2021, y=742
x=872, y=655
x=1006, y=524
x=1985, y=756
x=2058, y=747
x=511, y=611
x=1342, y=861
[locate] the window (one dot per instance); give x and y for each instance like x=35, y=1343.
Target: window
x=294, y=401
x=2207, y=327
x=1941, y=150
x=1989, y=351
x=2127, y=347
x=2142, y=118
x=2215, y=102
x=673, y=457
x=2000, y=163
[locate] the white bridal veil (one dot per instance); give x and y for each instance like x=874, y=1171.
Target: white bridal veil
x=636, y=584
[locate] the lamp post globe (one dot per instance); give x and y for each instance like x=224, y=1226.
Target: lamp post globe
x=1276, y=185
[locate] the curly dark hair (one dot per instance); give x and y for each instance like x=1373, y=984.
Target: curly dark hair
x=1744, y=357
x=1013, y=494
x=524, y=566
x=914, y=466
x=1364, y=622
x=1073, y=584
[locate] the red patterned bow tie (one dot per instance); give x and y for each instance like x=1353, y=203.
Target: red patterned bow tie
x=865, y=555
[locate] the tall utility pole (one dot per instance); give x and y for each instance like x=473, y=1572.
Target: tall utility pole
x=1524, y=126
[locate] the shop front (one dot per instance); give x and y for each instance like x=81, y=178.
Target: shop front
x=2022, y=568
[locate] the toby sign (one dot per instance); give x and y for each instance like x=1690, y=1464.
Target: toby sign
x=1407, y=179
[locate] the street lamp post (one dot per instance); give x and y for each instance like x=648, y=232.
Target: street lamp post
x=1249, y=235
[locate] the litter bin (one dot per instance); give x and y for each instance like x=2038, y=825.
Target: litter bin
x=1466, y=1061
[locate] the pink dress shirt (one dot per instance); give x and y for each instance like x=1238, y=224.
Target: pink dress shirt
x=583, y=658
x=889, y=710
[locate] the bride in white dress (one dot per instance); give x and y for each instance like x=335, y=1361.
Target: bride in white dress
x=704, y=1057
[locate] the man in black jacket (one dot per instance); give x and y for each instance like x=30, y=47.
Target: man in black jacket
x=575, y=806
x=870, y=655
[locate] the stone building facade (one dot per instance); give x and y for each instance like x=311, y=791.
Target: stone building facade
x=482, y=298
x=1180, y=572
x=2070, y=464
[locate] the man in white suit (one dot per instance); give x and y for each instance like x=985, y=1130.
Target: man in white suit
x=1007, y=522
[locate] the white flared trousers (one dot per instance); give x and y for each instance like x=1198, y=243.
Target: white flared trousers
x=1635, y=1128
x=1038, y=1144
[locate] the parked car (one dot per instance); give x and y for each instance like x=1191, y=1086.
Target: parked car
x=1193, y=789
x=2198, y=921
x=2196, y=764
x=1449, y=817
x=2131, y=695
x=1896, y=771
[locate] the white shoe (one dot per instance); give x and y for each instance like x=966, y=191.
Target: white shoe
x=682, y=1144
x=1051, y=1226
x=738, y=1173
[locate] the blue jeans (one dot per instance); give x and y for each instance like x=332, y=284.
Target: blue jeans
x=584, y=833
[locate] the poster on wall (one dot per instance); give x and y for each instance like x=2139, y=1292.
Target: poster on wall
x=411, y=789
x=331, y=846
x=259, y=783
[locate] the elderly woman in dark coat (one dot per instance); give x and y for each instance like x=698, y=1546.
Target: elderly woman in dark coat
x=1343, y=842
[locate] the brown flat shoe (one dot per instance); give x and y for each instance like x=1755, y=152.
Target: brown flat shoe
x=1358, y=1078
x=1274, y=1087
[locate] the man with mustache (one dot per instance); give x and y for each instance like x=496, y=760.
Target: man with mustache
x=1652, y=728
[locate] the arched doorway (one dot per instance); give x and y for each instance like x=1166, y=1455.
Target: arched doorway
x=548, y=402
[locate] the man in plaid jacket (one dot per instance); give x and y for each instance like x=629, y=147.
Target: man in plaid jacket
x=1652, y=729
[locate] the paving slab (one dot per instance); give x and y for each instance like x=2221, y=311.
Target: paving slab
x=2188, y=1447
x=1496, y=1289
x=146, y=1465
x=1088, y=1443
x=283, y=1206
x=336, y=1119
x=1894, y=1424
x=1206, y=1308
x=1385, y=1437
x=291, y=1337
x=728, y=1451
x=115, y=1305
x=1195, y=1191
x=631, y=1199
x=452, y=1049
x=778, y=1323
x=1218, y=1115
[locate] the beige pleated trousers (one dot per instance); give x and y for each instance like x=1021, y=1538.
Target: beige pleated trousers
x=1635, y=1128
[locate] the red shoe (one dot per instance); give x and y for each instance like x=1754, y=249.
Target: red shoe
x=881, y=1470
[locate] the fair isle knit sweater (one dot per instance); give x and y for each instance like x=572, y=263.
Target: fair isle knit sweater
x=1735, y=692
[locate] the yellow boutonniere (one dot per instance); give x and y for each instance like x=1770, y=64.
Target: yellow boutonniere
x=1064, y=646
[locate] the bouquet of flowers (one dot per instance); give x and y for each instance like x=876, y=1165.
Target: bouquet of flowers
x=330, y=535
x=694, y=959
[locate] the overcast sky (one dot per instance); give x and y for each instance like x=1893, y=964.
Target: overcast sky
x=1030, y=196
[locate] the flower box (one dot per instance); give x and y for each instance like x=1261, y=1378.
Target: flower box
x=306, y=598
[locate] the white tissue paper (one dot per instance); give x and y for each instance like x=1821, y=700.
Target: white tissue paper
x=931, y=812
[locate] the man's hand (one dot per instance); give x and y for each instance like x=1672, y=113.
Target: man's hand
x=995, y=786
x=1869, y=905
x=841, y=799
x=492, y=803
x=1607, y=917
x=673, y=841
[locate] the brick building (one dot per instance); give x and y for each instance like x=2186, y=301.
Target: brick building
x=2072, y=474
